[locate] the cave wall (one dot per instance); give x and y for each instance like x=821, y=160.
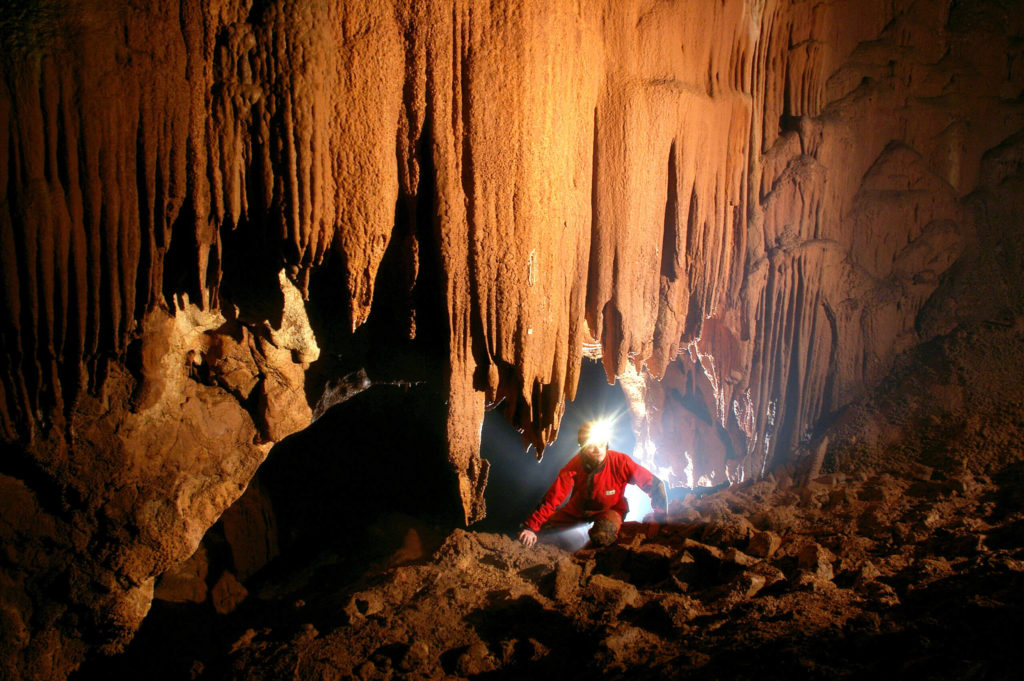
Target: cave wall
x=203, y=206
x=882, y=215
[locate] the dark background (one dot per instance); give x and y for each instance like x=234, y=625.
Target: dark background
x=517, y=481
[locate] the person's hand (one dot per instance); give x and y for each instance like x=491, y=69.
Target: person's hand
x=528, y=538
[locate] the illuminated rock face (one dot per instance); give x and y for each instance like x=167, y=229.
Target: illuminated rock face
x=877, y=203
x=207, y=209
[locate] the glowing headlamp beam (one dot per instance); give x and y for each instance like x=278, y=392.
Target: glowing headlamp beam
x=600, y=432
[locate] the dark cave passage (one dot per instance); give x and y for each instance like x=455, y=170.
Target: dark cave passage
x=516, y=482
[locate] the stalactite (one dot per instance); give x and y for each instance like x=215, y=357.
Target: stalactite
x=291, y=124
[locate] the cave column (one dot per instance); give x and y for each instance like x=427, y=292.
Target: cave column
x=447, y=46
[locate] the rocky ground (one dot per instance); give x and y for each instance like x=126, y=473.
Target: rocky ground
x=910, y=574
x=906, y=561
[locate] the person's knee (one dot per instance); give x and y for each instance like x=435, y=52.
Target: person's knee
x=603, y=532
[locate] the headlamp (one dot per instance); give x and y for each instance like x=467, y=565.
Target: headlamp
x=598, y=432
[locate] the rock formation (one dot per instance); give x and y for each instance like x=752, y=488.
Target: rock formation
x=847, y=576
x=211, y=214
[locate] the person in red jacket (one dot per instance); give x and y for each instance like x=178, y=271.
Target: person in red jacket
x=597, y=477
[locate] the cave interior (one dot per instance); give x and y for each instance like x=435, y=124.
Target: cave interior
x=304, y=302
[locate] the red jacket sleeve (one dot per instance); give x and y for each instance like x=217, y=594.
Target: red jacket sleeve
x=640, y=476
x=645, y=480
x=556, y=494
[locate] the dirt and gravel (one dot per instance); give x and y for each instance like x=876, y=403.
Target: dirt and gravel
x=901, y=557
x=915, y=575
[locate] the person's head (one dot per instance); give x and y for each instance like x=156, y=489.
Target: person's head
x=593, y=455
x=593, y=445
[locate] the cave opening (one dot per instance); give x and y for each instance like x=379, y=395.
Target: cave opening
x=516, y=483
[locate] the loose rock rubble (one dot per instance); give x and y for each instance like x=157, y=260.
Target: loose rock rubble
x=915, y=574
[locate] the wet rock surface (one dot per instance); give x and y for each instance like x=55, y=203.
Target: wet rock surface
x=886, y=581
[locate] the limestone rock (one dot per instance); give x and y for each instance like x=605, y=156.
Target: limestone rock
x=476, y=659
x=567, y=579
x=606, y=596
x=771, y=574
x=747, y=585
x=650, y=563
x=250, y=529
x=816, y=560
x=231, y=363
x=282, y=407
x=227, y=593
x=364, y=604
x=729, y=529
x=764, y=544
x=679, y=609
x=186, y=582
x=769, y=218
x=416, y=658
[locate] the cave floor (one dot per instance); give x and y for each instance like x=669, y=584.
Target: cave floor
x=912, y=575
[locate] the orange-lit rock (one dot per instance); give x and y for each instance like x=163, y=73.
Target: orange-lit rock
x=782, y=196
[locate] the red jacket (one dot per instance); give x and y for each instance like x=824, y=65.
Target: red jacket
x=605, y=491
